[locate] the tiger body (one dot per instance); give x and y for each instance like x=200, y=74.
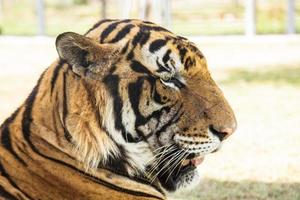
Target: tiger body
x=108, y=106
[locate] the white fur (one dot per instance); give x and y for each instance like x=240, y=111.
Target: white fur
x=212, y=143
x=138, y=153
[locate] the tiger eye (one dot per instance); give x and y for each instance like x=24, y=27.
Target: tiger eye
x=166, y=77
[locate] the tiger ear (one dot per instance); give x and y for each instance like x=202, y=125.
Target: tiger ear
x=84, y=54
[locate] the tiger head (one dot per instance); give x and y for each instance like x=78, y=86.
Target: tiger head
x=161, y=109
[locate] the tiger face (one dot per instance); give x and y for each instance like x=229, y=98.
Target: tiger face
x=162, y=110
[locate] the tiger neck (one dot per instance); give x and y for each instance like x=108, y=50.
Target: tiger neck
x=72, y=110
x=72, y=120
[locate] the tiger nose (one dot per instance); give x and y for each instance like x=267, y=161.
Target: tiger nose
x=223, y=132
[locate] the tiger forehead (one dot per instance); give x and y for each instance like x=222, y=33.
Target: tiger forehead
x=110, y=31
x=140, y=33
x=189, y=54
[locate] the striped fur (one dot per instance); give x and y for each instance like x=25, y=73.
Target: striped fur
x=101, y=115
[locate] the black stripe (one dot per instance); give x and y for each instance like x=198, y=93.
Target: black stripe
x=196, y=50
x=5, y=137
x=67, y=134
x=125, y=30
x=145, y=37
x=56, y=74
x=110, y=29
x=188, y=63
x=139, y=67
x=134, y=92
x=6, y=141
x=98, y=24
x=166, y=57
x=161, y=68
x=147, y=22
x=124, y=49
x=157, y=97
x=182, y=53
x=182, y=38
x=7, y=176
x=27, y=115
x=141, y=37
x=118, y=164
x=4, y=194
x=156, y=45
x=156, y=28
x=176, y=82
x=137, y=38
x=112, y=82
x=130, y=55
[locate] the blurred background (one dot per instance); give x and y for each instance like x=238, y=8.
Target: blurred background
x=253, y=51
x=187, y=17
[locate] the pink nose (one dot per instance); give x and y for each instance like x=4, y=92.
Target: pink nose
x=222, y=133
x=227, y=131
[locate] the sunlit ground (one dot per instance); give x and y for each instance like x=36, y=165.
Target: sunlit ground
x=260, y=78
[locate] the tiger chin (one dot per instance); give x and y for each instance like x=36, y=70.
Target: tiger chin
x=128, y=111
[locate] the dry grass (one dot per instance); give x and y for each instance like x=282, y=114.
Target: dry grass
x=261, y=161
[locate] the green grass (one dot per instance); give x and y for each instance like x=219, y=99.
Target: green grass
x=206, y=27
x=246, y=190
x=194, y=18
x=278, y=75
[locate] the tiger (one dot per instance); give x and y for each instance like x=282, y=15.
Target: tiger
x=128, y=111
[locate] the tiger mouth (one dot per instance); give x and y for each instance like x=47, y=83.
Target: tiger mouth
x=184, y=168
x=194, y=161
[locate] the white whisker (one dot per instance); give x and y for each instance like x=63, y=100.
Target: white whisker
x=161, y=159
x=166, y=165
x=184, y=155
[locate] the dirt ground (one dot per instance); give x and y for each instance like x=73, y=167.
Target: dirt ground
x=260, y=77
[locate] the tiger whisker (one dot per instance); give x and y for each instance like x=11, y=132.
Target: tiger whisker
x=158, y=154
x=178, y=156
x=161, y=159
x=165, y=146
x=166, y=166
x=166, y=150
x=174, y=167
x=180, y=166
x=163, y=169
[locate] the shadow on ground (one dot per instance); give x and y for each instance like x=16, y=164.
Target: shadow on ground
x=211, y=189
x=278, y=75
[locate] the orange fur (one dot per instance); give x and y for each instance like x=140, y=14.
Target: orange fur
x=57, y=144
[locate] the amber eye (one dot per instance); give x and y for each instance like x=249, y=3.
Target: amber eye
x=168, y=79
